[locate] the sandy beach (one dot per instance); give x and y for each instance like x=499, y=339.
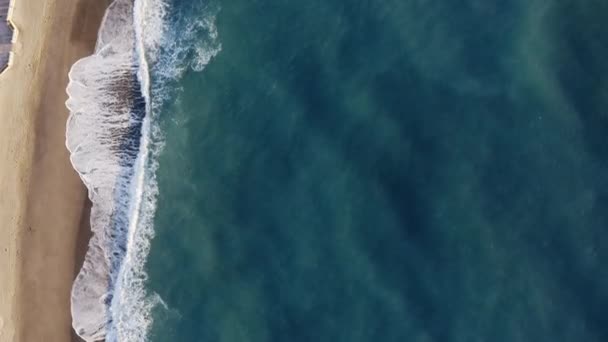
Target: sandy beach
x=43, y=207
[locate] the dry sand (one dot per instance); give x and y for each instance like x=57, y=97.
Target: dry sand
x=41, y=197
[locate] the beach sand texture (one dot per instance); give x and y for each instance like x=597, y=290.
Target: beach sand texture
x=43, y=227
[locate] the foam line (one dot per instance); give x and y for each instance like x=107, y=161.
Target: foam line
x=107, y=139
x=114, y=142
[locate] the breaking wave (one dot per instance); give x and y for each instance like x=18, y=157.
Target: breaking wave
x=112, y=135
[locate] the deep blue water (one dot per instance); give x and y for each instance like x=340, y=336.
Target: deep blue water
x=396, y=170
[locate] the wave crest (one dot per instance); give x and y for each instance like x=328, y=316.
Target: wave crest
x=113, y=143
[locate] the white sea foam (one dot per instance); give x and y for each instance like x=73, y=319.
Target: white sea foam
x=114, y=141
x=102, y=92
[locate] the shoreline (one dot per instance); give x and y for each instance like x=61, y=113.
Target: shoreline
x=43, y=210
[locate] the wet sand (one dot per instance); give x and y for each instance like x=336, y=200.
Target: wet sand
x=43, y=207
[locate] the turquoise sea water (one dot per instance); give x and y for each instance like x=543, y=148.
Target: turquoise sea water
x=396, y=170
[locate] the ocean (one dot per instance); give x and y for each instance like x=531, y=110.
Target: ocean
x=396, y=170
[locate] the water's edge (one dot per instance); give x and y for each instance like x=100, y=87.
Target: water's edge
x=108, y=137
x=114, y=140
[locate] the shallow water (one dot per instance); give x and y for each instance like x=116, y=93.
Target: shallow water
x=379, y=171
